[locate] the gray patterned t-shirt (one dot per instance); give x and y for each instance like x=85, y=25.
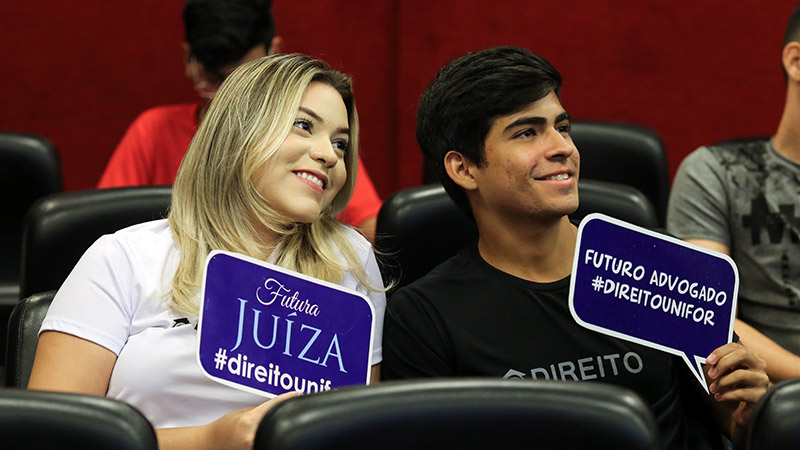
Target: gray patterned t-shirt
x=746, y=195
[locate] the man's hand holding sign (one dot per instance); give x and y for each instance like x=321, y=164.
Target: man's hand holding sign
x=269, y=331
x=660, y=292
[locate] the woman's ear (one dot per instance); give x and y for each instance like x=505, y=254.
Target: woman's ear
x=460, y=169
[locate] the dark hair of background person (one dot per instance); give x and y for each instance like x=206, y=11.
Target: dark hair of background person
x=459, y=107
x=792, y=27
x=220, y=32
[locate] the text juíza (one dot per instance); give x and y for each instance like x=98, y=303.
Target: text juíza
x=297, y=340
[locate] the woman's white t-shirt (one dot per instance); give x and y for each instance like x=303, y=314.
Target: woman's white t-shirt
x=117, y=297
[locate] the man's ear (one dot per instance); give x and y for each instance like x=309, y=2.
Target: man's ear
x=275, y=46
x=187, y=60
x=461, y=170
x=791, y=61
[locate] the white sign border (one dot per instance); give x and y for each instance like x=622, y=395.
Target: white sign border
x=699, y=361
x=267, y=265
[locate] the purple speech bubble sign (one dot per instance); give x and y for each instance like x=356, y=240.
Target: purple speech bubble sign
x=268, y=330
x=652, y=289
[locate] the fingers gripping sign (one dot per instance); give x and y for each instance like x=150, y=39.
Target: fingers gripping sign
x=739, y=377
x=654, y=290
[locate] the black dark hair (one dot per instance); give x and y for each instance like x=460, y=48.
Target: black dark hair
x=792, y=32
x=220, y=32
x=468, y=94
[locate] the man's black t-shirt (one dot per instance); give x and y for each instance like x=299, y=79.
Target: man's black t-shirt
x=467, y=318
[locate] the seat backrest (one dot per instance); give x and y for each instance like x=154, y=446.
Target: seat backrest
x=462, y=413
x=621, y=201
x=23, y=337
x=627, y=154
x=29, y=169
x=775, y=422
x=59, y=228
x=419, y=228
x=34, y=420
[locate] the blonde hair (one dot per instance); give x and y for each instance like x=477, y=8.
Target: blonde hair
x=215, y=204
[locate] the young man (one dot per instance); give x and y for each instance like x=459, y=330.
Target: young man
x=493, y=126
x=220, y=36
x=742, y=199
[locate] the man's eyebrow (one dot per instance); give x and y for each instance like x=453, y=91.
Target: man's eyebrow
x=315, y=116
x=530, y=120
x=535, y=120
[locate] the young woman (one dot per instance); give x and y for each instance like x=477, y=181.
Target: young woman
x=271, y=166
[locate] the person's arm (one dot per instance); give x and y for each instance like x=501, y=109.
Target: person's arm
x=233, y=431
x=781, y=363
x=711, y=245
x=738, y=380
x=67, y=363
x=375, y=374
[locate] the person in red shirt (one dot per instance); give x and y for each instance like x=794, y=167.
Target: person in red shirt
x=220, y=36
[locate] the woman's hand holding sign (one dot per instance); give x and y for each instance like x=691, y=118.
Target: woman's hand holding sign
x=233, y=431
x=739, y=379
x=237, y=429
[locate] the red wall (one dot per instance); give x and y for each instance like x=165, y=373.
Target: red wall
x=695, y=72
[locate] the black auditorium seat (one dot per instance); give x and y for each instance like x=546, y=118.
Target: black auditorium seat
x=32, y=420
x=420, y=227
x=59, y=228
x=627, y=154
x=29, y=169
x=462, y=413
x=23, y=337
x=775, y=422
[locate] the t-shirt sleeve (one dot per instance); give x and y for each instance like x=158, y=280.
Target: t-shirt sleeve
x=130, y=163
x=378, y=299
x=698, y=204
x=415, y=343
x=365, y=202
x=95, y=301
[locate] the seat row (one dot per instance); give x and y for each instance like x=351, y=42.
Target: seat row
x=424, y=415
